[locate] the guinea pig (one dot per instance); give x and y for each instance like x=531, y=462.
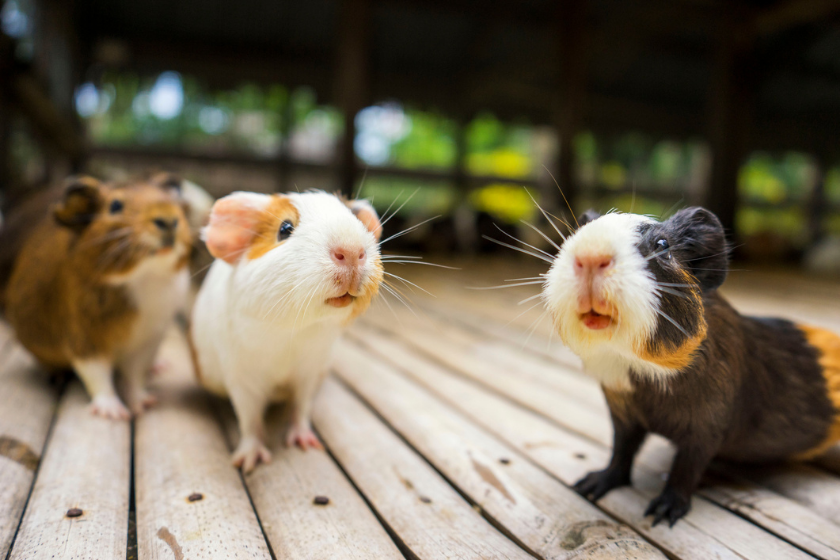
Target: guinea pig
x=98, y=281
x=291, y=271
x=637, y=300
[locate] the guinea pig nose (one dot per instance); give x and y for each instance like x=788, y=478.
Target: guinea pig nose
x=165, y=225
x=594, y=263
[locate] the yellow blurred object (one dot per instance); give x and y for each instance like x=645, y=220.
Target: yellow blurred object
x=507, y=202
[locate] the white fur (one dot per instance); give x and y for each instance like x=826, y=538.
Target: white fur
x=262, y=329
x=629, y=287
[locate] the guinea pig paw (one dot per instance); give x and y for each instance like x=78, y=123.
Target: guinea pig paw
x=159, y=367
x=303, y=437
x=109, y=406
x=670, y=505
x=597, y=483
x=142, y=402
x=249, y=453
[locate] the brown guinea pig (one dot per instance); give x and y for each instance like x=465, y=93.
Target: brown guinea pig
x=637, y=300
x=97, y=283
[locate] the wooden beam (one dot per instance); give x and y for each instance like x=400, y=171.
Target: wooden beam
x=352, y=80
x=790, y=13
x=729, y=109
x=573, y=61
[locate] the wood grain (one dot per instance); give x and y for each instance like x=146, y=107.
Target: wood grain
x=547, y=517
x=27, y=406
x=569, y=456
x=431, y=520
x=86, y=466
x=181, y=451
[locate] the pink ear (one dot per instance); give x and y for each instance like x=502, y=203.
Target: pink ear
x=367, y=215
x=232, y=225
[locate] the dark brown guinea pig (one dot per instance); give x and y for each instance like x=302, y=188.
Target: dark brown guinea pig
x=99, y=280
x=637, y=300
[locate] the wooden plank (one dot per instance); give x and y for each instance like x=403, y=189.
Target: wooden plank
x=27, y=406
x=537, y=438
x=181, y=451
x=86, y=466
x=284, y=490
x=548, y=518
x=426, y=515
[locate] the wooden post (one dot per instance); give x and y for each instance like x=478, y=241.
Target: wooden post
x=465, y=216
x=817, y=204
x=729, y=119
x=352, y=80
x=285, y=155
x=573, y=61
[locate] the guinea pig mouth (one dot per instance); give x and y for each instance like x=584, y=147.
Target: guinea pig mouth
x=341, y=301
x=595, y=321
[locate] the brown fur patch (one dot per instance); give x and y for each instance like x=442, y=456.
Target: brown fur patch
x=828, y=345
x=279, y=209
x=62, y=298
x=619, y=403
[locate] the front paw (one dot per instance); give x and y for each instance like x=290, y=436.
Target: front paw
x=301, y=434
x=141, y=401
x=669, y=505
x=249, y=453
x=597, y=483
x=109, y=406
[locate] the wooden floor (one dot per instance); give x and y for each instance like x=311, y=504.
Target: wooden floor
x=451, y=433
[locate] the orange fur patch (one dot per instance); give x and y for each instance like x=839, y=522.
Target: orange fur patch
x=677, y=358
x=828, y=345
x=278, y=210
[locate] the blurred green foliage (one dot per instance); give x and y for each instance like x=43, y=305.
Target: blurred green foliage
x=259, y=119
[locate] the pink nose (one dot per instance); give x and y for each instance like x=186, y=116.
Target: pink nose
x=349, y=257
x=592, y=264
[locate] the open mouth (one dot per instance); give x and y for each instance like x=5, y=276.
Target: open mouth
x=595, y=321
x=341, y=301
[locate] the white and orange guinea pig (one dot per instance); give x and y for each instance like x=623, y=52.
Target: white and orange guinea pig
x=291, y=271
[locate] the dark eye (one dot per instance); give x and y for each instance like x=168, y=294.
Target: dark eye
x=116, y=207
x=662, y=247
x=286, y=229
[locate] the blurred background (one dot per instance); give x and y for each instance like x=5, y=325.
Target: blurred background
x=648, y=106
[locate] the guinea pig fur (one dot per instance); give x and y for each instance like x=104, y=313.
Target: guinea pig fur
x=98, y=281
x=290, y=272
x=637, y=300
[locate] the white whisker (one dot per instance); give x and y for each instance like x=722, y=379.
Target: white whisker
x=515, y=248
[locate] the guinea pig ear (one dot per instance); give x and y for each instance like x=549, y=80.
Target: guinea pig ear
x=587, y=217
x=168, y=181
x=363, y=210
x=698, y=241
x=80, y=204
x=232, y=225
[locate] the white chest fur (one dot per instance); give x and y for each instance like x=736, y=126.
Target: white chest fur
x=159, y=292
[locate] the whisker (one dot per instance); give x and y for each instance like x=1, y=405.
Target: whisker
x=400, y=208
x=549, y=255
x=654, y=255
x=424, y=264
x=532, y=298
x=515, y=248
x=544, y=236
x=504, y=286
x=410, y=283
x=540, y=277
x=672, y=292
x=523, y=313
x=682, y=330
x=675, y=285
x=563, y=195
x=547, y=219
x=407, y=230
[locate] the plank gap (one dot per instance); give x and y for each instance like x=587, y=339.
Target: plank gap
x=61, y=387
x=398, y=542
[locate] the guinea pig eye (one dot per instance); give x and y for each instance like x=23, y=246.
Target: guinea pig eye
x=663, y=247
x=116, y=207
x=286, y=229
